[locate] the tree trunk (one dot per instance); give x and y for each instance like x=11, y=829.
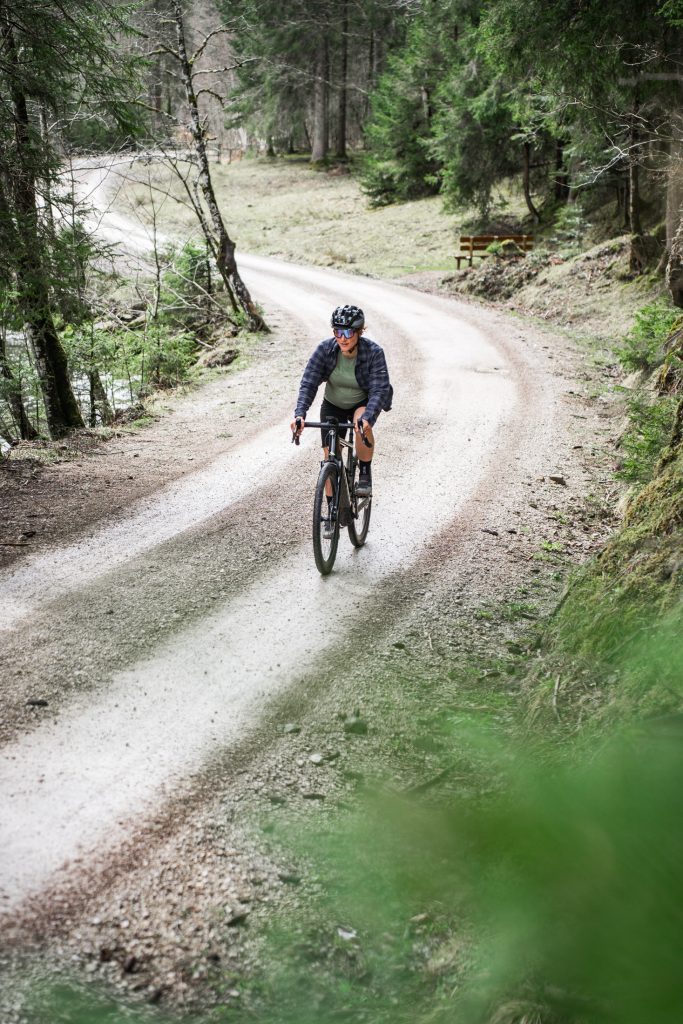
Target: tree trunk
x=674, y=190
x=219, y=241
x=48, y=211
x=427, y=107
x=343, y=71
x=637, y=257
x=98, y=398
x=61, y=408
x=621, y=192
x=561, y=176
x=674, y=269
x=526, y=181
x=14, y=399
x=371, y=76
x=156, y=77
x=674, y=218
x=320, y=104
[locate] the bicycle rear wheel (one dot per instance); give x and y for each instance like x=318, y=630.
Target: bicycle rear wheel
x=325, y=526
x=358, y=527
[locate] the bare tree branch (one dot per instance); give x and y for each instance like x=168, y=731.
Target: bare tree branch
x=200, y=49
x=210, y=92
x=225, y=70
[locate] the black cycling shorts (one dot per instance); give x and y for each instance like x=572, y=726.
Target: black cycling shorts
x=327, y=410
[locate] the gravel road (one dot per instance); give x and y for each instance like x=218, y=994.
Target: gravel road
x=165, y=634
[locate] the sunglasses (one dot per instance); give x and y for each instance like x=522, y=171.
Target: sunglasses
x=344, y=332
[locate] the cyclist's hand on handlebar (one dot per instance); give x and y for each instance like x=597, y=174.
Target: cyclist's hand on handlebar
x=297, y=426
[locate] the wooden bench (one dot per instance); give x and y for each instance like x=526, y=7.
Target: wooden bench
x=476, y=245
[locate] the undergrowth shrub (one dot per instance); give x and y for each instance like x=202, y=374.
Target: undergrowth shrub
x=588, y=675
x=643, y=347
x=131, y=362
x=571, y=228
x=164, y=357
x=651, y=409
x=186, y=299
x=649, y=431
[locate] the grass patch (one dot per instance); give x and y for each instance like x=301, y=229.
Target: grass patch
x=141, y=422
x=286, y=209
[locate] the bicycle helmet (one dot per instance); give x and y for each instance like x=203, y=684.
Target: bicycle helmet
x=348, y=316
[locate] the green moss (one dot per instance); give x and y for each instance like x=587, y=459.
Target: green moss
x=141, y=421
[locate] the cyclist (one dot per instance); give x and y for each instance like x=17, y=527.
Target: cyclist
x=357, y=386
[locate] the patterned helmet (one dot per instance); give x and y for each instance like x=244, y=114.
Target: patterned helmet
x=348, y=316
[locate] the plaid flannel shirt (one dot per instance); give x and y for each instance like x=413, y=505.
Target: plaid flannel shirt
x=371, y=373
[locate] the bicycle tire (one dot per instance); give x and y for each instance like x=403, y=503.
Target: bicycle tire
x=358, y=528
x=324, y=549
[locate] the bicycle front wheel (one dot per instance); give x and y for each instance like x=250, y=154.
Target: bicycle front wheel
x=325, y=524
x=359, y=526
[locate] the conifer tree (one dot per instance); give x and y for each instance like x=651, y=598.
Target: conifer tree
x=315, y=62
x=607, y=69
x=58, y=56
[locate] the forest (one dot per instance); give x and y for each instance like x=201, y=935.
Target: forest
x=574, y=106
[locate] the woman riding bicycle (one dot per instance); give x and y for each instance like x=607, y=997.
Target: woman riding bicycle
x=357, y=386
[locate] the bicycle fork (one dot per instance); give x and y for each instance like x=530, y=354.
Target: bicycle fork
x=340, y=506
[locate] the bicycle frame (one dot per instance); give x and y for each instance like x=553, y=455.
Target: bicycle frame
x=341, y=500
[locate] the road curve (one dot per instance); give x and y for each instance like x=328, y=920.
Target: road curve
x=464, y=396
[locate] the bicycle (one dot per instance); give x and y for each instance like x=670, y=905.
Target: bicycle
x=340, y=469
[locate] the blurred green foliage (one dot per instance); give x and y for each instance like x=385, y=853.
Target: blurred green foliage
x=186, y=300
x=556, y=898
x=552, y=892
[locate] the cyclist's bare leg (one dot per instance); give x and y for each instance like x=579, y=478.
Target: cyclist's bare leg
x=362, y=451
x=328, y=485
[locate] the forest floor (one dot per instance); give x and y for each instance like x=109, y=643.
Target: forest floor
x=132, y=573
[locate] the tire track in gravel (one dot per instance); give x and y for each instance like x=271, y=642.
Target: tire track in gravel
x=120, y=612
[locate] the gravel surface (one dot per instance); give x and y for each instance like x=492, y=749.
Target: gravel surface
x=483, y=475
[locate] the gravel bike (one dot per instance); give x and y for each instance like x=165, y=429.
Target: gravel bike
x=343, y=508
